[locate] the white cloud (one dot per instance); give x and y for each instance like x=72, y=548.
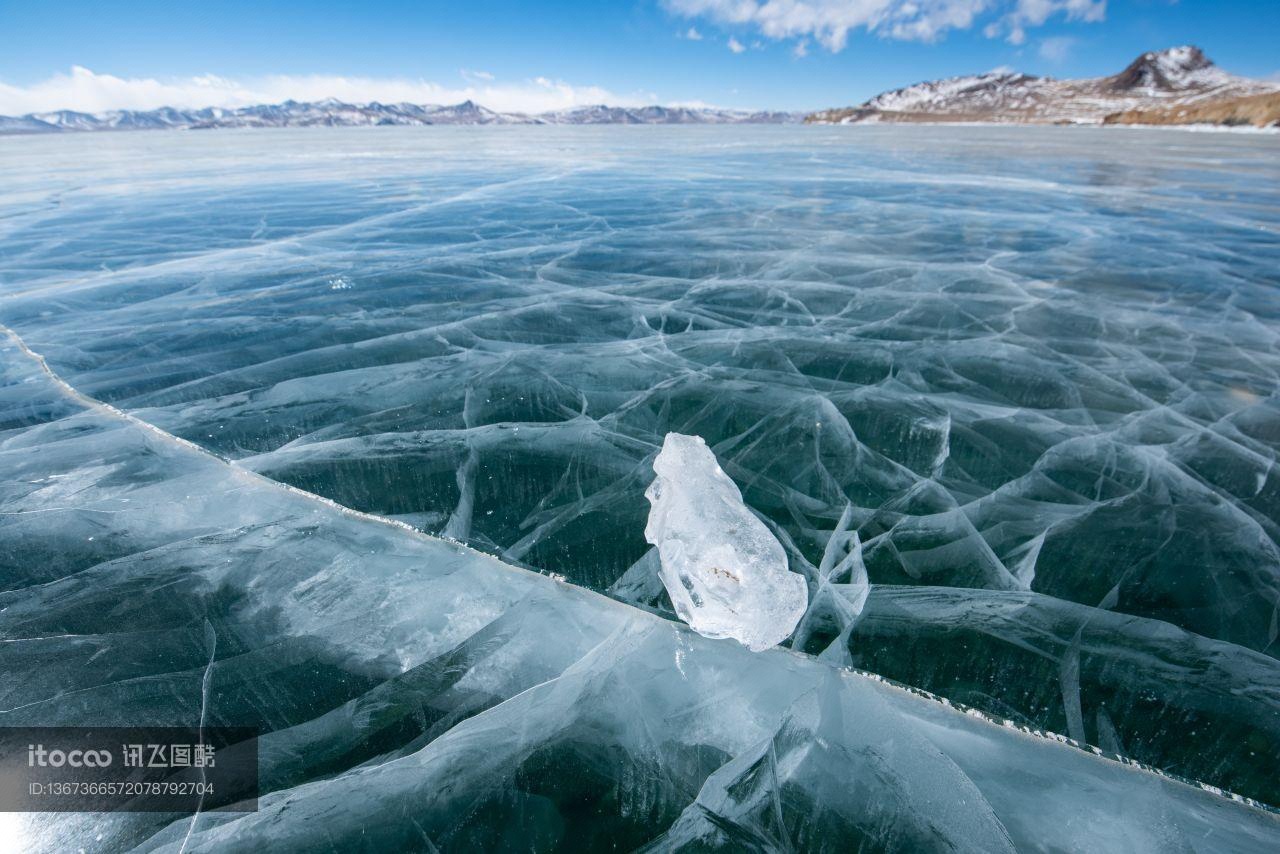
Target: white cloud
x=1056, y=49
x=1033, y=13
x=88, y=91
x=801, y=50
x=829, y=22
x=468, y=74
x=735, y=45
x=692, y=105
x=693, y=35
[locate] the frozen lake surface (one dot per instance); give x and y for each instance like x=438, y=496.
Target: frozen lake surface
x=1021, y=380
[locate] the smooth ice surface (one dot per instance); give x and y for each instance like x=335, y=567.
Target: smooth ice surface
x=727, y=576
x=1007, y=398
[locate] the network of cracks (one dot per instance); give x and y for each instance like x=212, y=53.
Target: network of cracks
x=1032, y=397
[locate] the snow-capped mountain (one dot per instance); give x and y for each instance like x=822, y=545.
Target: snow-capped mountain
x=67, y=120
x=1155, y=80
x=1178, y=69
x=983, y=90
x=334, y=113
x=24, y=124
x=601, y=114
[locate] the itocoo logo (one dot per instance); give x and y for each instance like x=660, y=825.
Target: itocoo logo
x=37, y=756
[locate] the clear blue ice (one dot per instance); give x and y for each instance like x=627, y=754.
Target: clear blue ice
x=1006, y=397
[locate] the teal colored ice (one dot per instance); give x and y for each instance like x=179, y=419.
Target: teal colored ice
x=377, y=409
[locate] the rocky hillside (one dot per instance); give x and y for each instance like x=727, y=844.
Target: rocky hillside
x=1252, y=110
x=1156, y=83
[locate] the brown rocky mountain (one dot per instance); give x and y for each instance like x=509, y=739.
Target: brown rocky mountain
x=1256, y=110
x=1175, y=86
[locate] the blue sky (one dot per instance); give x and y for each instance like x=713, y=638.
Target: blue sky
x=784, y=54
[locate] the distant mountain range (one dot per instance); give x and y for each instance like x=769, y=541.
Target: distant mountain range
x=1175, y=86
x=334, y=113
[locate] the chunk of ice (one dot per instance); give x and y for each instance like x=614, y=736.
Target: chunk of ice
x=726, y=573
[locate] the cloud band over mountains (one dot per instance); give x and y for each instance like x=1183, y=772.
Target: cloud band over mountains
x=87, y=91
